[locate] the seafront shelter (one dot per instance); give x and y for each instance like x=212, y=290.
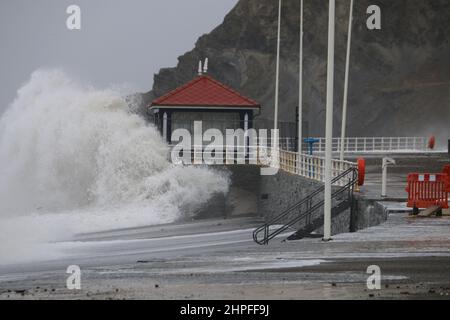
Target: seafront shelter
x=203, y=99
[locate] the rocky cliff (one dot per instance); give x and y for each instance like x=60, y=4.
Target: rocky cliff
x=399, y=76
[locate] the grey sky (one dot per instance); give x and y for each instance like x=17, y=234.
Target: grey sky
x=121, y=41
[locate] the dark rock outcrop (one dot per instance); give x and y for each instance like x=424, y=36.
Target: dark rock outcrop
x=400, y=75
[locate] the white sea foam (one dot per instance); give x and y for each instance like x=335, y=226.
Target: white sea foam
x=75, y=159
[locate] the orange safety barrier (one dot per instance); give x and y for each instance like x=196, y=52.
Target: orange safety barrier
x=426, y=190
x=446, y=171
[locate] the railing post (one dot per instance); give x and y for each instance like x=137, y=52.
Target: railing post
x=266, y=235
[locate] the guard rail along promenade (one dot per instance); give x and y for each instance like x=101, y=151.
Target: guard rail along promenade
x=308, y=166
x=366, y=145
x=286, y=157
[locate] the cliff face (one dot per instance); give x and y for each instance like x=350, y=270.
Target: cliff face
x=399, y=76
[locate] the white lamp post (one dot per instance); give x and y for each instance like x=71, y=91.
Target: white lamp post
x=347, y=67
x=277, y=80
x=300, y=86
x=275, y=136
x=329, y=121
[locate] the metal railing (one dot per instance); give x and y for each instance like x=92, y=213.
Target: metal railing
x=313, y=167
x=305, y=208
x=375, y=144
x=354, y=145
x=220, y=155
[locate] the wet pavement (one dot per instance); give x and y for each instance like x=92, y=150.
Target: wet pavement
x=413, y=254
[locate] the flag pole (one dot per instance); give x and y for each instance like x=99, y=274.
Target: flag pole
x=347, y=68
x=329, y=121
x=300, y=86
x=277, y=80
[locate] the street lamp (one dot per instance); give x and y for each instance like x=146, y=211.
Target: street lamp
x=300, y=86
x=347, y=67
x=277, y=77
x=329, y=121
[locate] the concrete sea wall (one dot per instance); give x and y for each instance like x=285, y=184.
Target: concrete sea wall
x=267, y=196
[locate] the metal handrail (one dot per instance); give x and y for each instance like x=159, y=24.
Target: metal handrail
x=266, y=227
x=374, y=144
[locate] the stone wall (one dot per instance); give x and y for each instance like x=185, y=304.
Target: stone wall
x=367, y=213
x=267, y=196
x=279, y=192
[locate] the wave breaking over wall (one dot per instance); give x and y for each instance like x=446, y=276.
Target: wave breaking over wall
x=73, y=158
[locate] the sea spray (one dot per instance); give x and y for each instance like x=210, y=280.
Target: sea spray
x=75, y=159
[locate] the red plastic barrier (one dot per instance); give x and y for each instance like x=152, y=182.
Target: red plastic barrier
x=446, y=171
x=427, y=190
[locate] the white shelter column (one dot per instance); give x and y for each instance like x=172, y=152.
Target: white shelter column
x=246, y=122
x=329, y=121
x=164, y=133
x=300, y=86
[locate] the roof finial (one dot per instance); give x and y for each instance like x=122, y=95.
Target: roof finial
x=200, y=68
x=205, y=66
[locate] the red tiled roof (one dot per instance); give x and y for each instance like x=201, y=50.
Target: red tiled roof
x=205, y=91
